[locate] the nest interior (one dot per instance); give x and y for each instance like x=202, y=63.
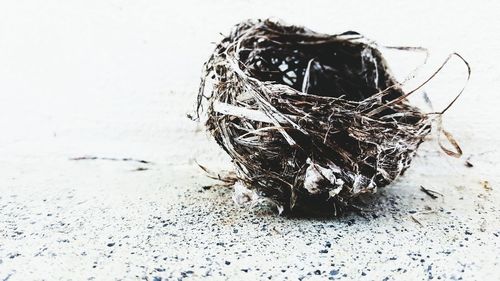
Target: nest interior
x=310, y=120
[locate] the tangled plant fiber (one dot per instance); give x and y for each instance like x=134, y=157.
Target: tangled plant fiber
x=311, y=121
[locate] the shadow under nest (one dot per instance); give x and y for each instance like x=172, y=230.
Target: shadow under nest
x=311, y=121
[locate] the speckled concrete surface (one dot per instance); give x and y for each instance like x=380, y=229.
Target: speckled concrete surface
x=116, y=79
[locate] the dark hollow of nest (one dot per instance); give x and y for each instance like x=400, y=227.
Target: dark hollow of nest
x=310, y=120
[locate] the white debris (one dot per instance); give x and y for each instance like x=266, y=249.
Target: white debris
x=362, y=183
x=243, y=196
x=315, y=174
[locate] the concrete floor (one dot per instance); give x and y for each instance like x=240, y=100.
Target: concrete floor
x=116, y=80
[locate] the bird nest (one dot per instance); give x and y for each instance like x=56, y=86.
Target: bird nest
x=311, y=121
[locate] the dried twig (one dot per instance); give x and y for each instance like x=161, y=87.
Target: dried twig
x=416, y=220
x=430, y=192
x=227, y=179
x=110, y=159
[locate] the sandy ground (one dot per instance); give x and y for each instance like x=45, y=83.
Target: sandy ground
x=116, y=79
